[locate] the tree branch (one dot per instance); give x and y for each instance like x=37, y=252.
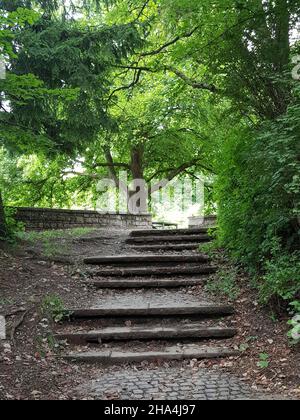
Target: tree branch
x=170, y=43
x=83, y=174
x=173, y=173
x=141, y=12
x=193, y=83
x=131, y=85
x=111, y=165
x=135, y=67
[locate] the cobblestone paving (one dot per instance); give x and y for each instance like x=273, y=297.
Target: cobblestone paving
x=168, y=384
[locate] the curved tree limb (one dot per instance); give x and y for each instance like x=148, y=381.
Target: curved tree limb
x=173, y=173
x=170, y=43
x=191, y=82
x=131, y=85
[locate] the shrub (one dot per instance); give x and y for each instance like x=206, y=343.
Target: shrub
x=13, y=227
x=282, y=278
x=258, y=191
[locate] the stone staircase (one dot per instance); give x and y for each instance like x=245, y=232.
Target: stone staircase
x=168, y=240
x=149, y=311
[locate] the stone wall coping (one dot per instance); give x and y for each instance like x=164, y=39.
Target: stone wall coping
x=75, y=211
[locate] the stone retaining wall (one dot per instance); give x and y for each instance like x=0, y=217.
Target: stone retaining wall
x=49, y=219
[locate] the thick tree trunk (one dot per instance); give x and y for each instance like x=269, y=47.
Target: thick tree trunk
x=137, y=171
x=3, y=226
x=137, y=157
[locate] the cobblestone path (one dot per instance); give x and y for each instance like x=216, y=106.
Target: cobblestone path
x=168, y=384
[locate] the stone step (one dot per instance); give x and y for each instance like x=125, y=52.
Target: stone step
x=156, y=271
x=168, y=232
x=189, y=351
x=145, y=283
x=163, y=239
x=146, y=259
x=206, y=309
x=194, y=330
x=164, y=247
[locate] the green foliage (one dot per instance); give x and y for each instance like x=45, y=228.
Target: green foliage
x=282, y=277
x=264, y=361
x=53, y=307
x=14, y=228
x=12, y=22
x=54, y=96
x=259, y=195
x=68, y=64
x=224, y=283
x=244, y=347
x=210, y=248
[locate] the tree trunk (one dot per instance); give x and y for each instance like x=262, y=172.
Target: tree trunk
x=3, y=226
x=137, y=171
x=137, y=156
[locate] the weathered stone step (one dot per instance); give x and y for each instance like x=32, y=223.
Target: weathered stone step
x=146, y=259
x=168, y=232
x=145, y=283
x=206, y=309
x=156, y=271
x=195, y=330
x=191, y=351
x=168, y=247
x=143, y=240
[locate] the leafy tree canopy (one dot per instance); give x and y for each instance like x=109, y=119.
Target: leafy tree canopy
x=160, y=88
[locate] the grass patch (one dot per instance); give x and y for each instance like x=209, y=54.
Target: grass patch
x=224, y=284
x=54, y=309
x=6, y=301
x=47, y=240
x=209, y=248
x=53, y=234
